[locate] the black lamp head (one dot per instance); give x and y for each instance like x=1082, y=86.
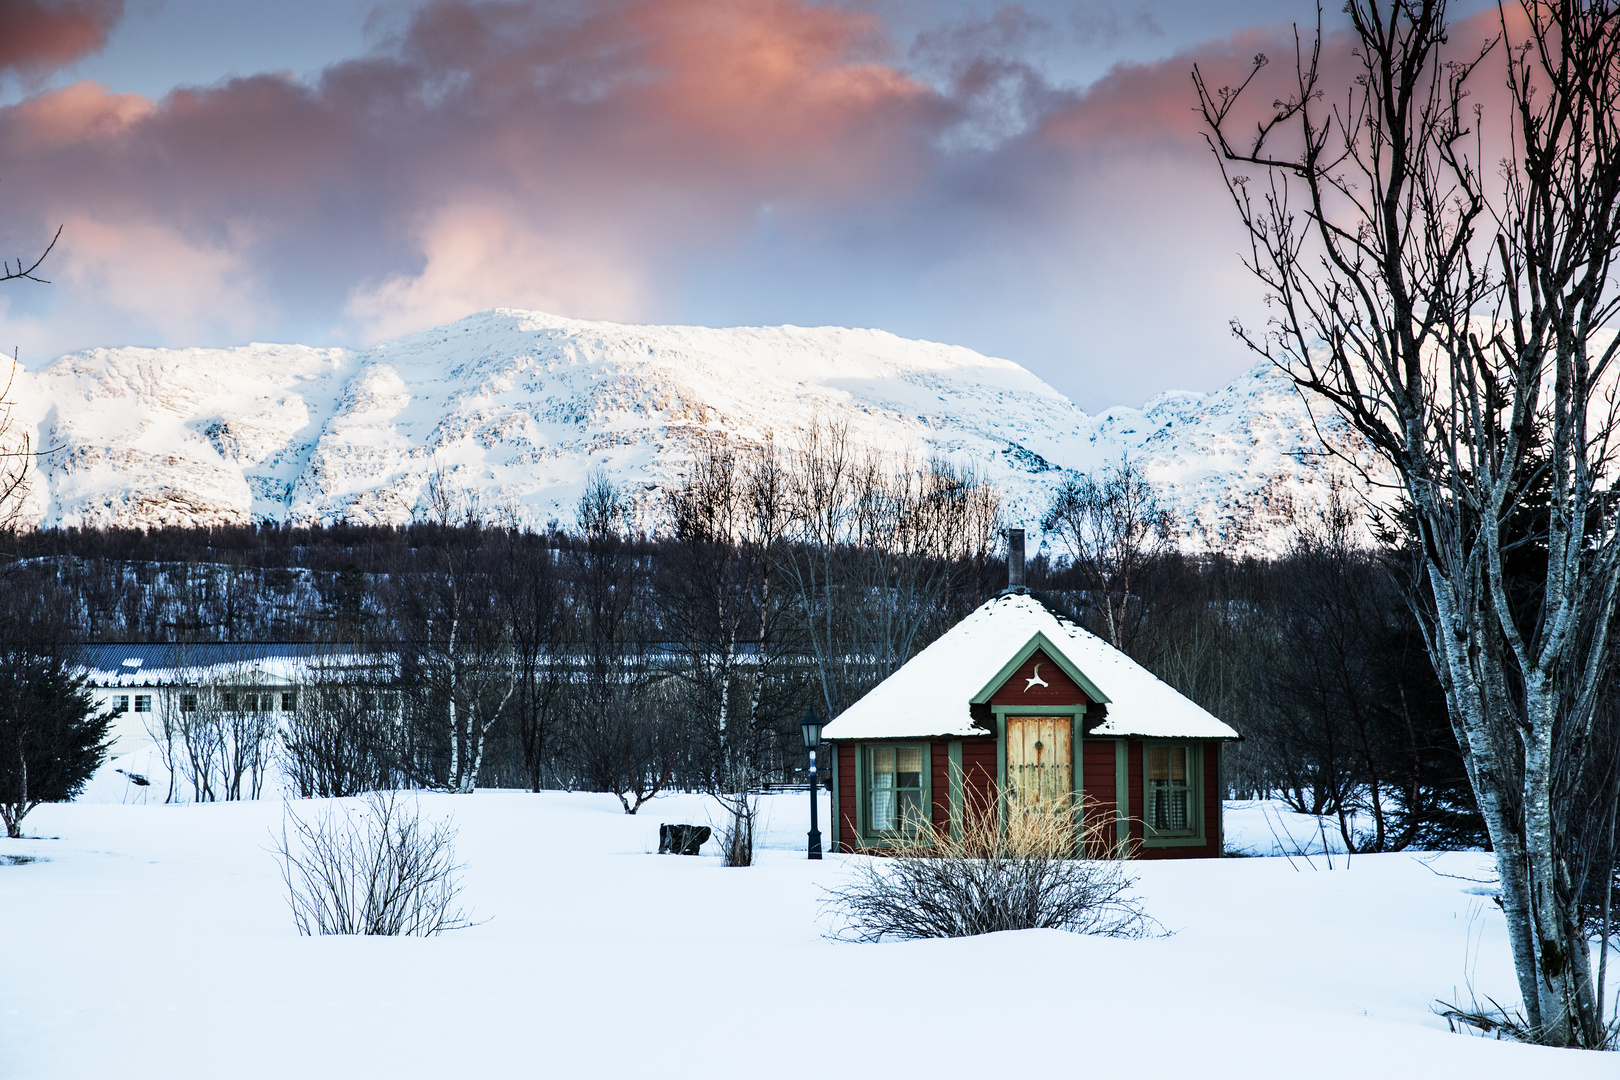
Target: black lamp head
x=810, y=727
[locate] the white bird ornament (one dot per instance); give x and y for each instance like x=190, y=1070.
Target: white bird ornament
x=1035, y=680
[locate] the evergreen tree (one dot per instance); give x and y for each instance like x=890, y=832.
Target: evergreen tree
x=52, y=735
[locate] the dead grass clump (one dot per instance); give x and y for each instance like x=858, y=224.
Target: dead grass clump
x=990, y=876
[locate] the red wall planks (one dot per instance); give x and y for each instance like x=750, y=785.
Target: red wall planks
x=1098, y=773
x=979, y=773
x=846, y=795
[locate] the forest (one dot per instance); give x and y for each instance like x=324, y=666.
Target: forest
x=613, y=657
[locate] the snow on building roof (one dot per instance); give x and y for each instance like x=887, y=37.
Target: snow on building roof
x=165, y=663
x=931, y=694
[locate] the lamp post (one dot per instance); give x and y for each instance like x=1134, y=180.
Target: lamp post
x=811, y=727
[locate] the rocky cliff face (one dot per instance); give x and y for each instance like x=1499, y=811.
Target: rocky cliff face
x=512, y=409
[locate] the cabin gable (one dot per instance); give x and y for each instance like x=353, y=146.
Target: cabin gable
x=1052, y=659
x=1038, y=681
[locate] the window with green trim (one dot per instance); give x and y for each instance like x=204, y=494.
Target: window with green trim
x=1172, y=789
x=894, y=781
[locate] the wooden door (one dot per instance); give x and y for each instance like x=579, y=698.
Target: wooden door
x=1040, y=762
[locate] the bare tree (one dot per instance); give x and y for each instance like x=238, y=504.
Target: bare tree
x=16, y=451
x=537, y=613
x=18, y=270
x=340, y=738
x=622, y=722
x=1113, y=527
x=16, y=454
x=1440, y=274
x=876, y=547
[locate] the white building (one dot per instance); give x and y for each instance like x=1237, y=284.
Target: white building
x=143, y=683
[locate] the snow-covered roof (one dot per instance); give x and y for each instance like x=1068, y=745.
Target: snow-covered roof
x=931, y=695
x=168, y=663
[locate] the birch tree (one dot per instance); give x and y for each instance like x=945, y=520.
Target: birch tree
x=467, y=662
x=1440, y=274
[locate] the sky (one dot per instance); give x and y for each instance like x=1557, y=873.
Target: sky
x=1027, y=180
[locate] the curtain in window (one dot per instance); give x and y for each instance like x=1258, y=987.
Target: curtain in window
x=883, y=789
x=1167, y=787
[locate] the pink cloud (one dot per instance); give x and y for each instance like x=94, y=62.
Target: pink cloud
x=40, y=35
x=711, y=160
x=84, y=110
x=481, y=252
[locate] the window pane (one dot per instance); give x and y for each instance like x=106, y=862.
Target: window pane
x=895, y=783
x=911, y=808
x=908, y=767
x=1169, y=788
x=882, y=802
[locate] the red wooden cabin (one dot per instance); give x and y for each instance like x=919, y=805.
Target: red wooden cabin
x=1018, y=690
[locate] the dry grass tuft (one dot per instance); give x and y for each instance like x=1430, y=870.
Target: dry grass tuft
x=990, y=877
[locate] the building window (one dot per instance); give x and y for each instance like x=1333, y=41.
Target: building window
x=228, y=700
x=1171, y=792
x=895, y=779
x=143, y=702
x=287, y=702
x=188, y=702
x=120, y=703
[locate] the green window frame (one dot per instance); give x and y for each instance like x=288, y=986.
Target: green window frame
x=895, y=788
x=1172, y=792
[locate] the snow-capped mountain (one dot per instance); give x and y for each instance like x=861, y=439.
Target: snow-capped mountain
x=514, y=408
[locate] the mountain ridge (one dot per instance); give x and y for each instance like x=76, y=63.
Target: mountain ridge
x=514, y=408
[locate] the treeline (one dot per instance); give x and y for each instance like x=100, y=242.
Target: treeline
x=599, y=657
x=605, y=658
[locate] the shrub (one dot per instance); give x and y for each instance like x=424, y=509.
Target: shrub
x=371, y=868
x=736, y=830
x=990, y=877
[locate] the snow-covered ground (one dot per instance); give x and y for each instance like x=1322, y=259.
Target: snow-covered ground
x=155, y=941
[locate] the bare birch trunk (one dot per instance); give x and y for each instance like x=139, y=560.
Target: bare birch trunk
x=1453, y=328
